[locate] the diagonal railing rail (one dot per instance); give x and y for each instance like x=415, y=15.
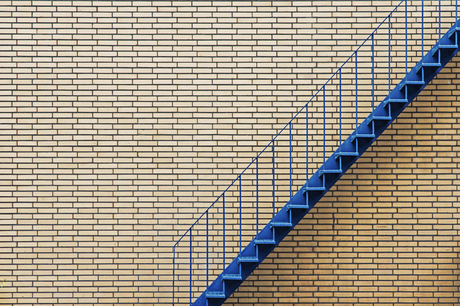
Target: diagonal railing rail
x=291, y=160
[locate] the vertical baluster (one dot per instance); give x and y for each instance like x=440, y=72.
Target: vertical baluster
x=340, y=106
x=223, y=231
x=406, y=38
x=207, y=248
x=389, y=54
x=356, y=88
x=273, y=179
x=306, y=142
x=423, y=25
x=439, y=26
x=257, y=196
x=290, y=160
x=191, y=281
x=373, y=74
x=324, y=124
x=241, y=226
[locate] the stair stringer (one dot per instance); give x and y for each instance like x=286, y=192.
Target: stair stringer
x=326, y=176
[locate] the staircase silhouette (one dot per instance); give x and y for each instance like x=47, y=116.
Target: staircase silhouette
x=316, y=186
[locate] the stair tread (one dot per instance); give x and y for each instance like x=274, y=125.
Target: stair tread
x=332, y=171
x=355, y=136
x=414, y=82
x=382, y=118
x=385, y=102
x=397, y=100
x=431, y=64
x=264, y=241
x=307, y=188
x=297, y=206
x=378, y=118
x=365, y=135
x=248, y=259
x=232, y=277
x=215, y=295
x=448, y=46
x=348, y=153
x=281, y=224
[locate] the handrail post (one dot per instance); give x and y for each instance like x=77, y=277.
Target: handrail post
x=290, y=160
x=406, y=35
x=191, y=281
x=257, y=196
x=389, y=55
x=356, y=89
x=439, y=22
x=340, y=106
x=324, y=124
x=423, y=24
x=373, y=74
x=306, y=143
x=273, y=179
x=207, y=248
x=174, y=275
x=223, y=231
x=241, y=226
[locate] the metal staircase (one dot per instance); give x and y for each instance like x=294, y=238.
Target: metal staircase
x=223, y=229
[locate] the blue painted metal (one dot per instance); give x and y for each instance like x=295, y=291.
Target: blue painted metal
x=389, y=54
x=373, y=76
x=322, y=180
x=273, y=179
x=241, y=219
x=223, y=232
x=257, y=196
x=191, y=266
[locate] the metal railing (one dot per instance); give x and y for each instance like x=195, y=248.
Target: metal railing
x=304, y=143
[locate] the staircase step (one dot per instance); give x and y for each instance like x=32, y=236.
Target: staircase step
x=232, y=277
x=248, y=259
x=350, y=154
x=394, y=101
x=297, y=206
x=421, y=64
x=215, y=295
x=417, y=83
x=330, y=171
x=382, y=118
x=306, y=188
x=369, y=136
x=431, y=64
x=379, y=118
x=264, y=241
x=280, y=224
x=445, y=47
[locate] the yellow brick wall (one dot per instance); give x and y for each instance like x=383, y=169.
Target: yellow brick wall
x=121, y=121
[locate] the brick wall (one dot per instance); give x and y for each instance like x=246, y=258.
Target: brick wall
x=122, y=120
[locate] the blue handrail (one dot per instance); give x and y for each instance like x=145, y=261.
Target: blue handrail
x=211, y=265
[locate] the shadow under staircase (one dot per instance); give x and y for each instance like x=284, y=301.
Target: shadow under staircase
x=203, y=249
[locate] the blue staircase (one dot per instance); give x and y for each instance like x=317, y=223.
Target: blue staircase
x=286, y=218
